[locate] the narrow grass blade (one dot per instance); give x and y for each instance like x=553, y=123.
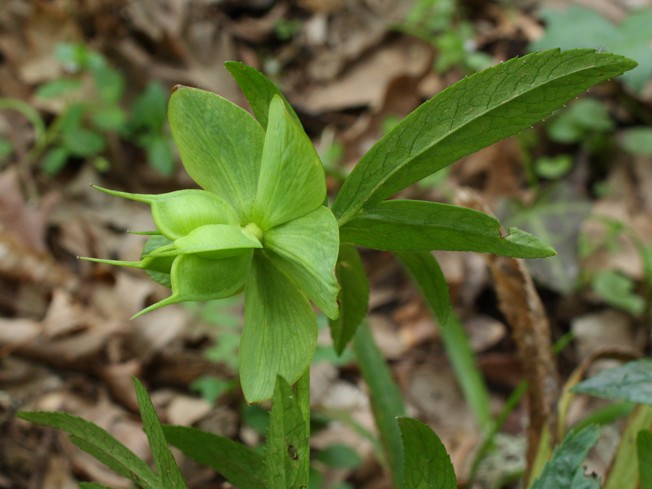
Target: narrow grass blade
x=644, y=451
x=386, y=400
x=427, y=274
x=624, y=470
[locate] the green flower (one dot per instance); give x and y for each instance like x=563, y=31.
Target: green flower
x=258, y=225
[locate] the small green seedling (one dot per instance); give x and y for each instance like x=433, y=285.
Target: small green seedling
x=259, y=226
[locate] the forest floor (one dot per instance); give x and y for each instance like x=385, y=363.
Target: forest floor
x=352, y=69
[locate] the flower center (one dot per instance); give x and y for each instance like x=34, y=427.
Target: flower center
x=253, y=228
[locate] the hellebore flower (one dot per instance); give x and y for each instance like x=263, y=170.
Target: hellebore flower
x=258, y=225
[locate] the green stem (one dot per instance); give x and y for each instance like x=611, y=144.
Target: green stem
x=32, y=115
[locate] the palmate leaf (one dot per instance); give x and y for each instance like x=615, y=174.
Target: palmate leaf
x=220, y=145
x=280, y=332
x=471, y=114
x=427, y=464
x=292, y=181
x=411, y=225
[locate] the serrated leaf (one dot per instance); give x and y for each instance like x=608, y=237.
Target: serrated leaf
x=168, y=471
x=386, y=400
x=292, y=182
x=101, y=444
x=412, y=225
x=305, y=250
x=287, y=454
x=561, y=469
x=644, y=451
x=220, y=145
x=239, y=464
x=353, y=298
x=258, y=89
x=280, y=332
x=629, y=382
x=427, y=464
x=475, y=112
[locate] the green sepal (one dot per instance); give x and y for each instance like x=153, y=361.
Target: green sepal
x=258, y=89
x=177, y=213
x=220, y=145
x=305, y=250
x=198, y=279
x=160, y=267
x=213, y=241
x=280, y=331
x=292, y=181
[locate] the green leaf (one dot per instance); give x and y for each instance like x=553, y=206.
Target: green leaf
x=109, y=118
x=220, y=145
x=339, y=456
x=292, y=181
x=618, y=290
x=427, y=464
x=258, y=89
x=561, y=469
x=353, y=298
x=287, y=455
x=475, y=112
x=624, y=472
x=200, y=279
x=168, y=471
x=644, y=450
x=638, y=140
x=150, y=107
x=305, y=250
x=583, y=27
x=280, y=331
x=178, y=213
x=629, y=382
x=92, y=485
x=583, y=117
x=412, y=225
x=58, y=88
x=82, y=142
x=55, y=160
x=239, y=464
x=103, y=446
x=584, y=481
x=159, y=154
x=386, y=400
x=556, y=216
x=427, y=274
